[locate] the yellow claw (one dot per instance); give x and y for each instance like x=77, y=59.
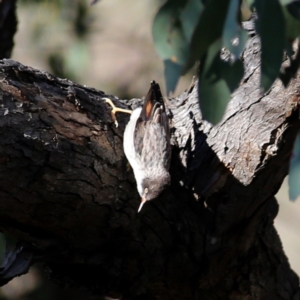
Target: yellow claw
x=115, y=110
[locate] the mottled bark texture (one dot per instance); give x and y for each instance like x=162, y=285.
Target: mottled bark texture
x=66, y=190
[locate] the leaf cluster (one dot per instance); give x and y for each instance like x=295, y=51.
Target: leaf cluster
x=187, y=32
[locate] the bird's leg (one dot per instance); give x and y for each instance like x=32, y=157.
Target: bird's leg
x=115, y=110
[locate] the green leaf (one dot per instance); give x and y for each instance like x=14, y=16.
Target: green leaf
x=234, y=36
x=189, y=17
x=294, y=9
x=2, y=247
x=172, y=30
x=284, y=2
x=292, y=24
x=170, y=40
x=209, y=28
x=270, y=25
x=217, y=80
x=168, y=34
x=294, y=173
x=245, y=10
x=292, y=20
x=172, y=74
x=7, y=244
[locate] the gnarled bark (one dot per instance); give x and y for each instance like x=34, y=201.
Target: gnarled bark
x=66, y=190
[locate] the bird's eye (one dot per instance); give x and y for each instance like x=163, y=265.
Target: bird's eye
x=146, y=190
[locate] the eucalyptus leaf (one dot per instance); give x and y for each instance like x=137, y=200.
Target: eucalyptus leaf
x=170, y=40
x=294, y=9
x=2, y=247
x=16, y=259
x=292, y=24
x=209, y=28
x=294, y=173
x=250, y=3
x=168, y=34
x=190, y=16
x=172, y=74
x=217, y=80
x=270, y=25
x=245, y=11
x=234, y=36
x=284, y=2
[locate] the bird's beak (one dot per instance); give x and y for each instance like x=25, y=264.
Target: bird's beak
x=143, y=201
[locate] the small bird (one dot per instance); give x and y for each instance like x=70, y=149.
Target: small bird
x=146, y=144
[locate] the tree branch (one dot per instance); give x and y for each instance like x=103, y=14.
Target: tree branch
x=65, y=188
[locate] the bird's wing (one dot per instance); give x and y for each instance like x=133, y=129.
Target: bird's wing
x=153, y=112
x=129, y=136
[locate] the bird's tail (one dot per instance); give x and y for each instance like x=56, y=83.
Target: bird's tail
x=153, y=104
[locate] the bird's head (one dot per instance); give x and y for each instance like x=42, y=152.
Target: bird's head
x=150, y=188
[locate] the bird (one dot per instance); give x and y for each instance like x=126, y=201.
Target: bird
x=146, y=144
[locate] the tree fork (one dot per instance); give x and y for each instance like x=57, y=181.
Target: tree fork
x=66, y=190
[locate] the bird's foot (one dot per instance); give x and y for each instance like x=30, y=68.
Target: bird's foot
x=115, y=110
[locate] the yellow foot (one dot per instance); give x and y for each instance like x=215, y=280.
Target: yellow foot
x=115, y=110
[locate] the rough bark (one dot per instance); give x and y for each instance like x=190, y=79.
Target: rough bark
x=66, y=190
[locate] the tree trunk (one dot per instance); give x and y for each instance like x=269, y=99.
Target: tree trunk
x=66, y=190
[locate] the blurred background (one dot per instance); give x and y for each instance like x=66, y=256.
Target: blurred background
x=107, y=46
x=287, y=224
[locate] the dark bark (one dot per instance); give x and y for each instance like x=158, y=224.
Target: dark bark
x=66, y=190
